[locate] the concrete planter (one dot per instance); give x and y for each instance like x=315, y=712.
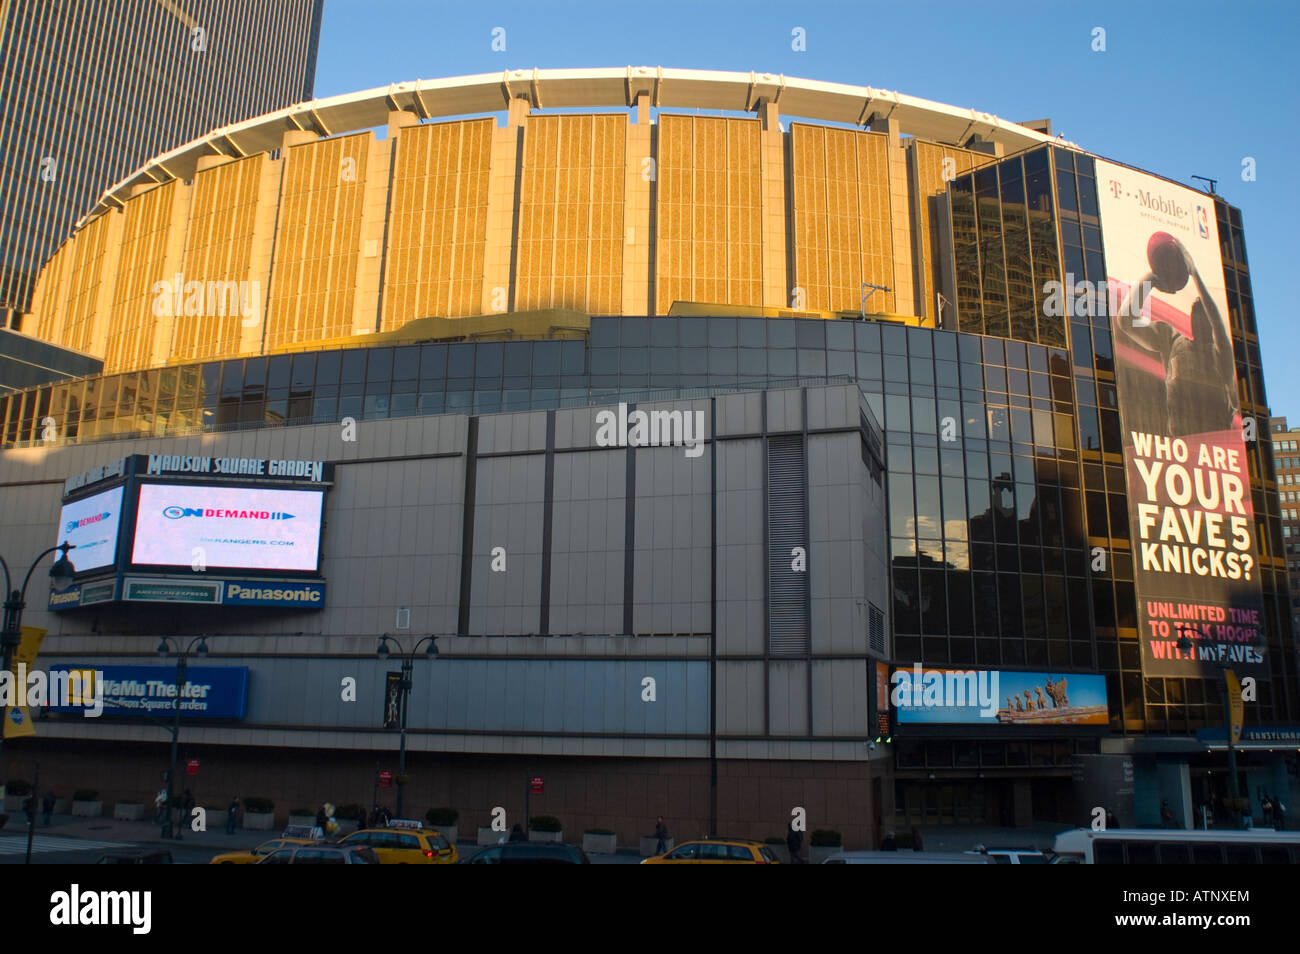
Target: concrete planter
x=819, y=853
x=62, y=806
x=14, y=803
x=261, y=821
x=88, y=809
x=128, y=811
x=486, y=836
x=650, y=842
x=599, y=844
x=555, y=836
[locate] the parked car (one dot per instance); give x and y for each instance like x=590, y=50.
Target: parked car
x=908, y=858
x=406, y=843
x=529, y=853
x=716, y=851
x=159, y=856
x=1014, y=856
x=254, y=855
x=321, y=855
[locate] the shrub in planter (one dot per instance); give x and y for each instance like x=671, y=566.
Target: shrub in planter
x=259, y=813
x=18, y=786
x=774, y=841
x=545, y=828
x=350, y=813
x=85, y=795
x=258, y=806
x=442, y=817
x=300, y=812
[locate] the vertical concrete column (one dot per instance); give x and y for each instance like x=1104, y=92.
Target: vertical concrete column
x=900, y=218
x=503, y=173
x=173, y=263
x=638, y=212
x=775, y=179
x=370, y=237
x=252, y=334
x=1024, y=803
x=1175, y=782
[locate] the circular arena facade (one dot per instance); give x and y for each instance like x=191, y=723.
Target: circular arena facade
x=885, y=313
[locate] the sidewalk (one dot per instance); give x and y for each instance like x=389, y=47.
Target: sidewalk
x=140, y=832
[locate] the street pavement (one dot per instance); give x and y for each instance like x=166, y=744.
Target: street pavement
x=70, y=840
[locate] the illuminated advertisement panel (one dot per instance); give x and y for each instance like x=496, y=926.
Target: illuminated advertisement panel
x=1191, y=520
x=224, y=527
x=998, y=697
x=91, y=524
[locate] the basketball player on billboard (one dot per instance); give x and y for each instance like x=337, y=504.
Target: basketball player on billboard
x=1199, y=391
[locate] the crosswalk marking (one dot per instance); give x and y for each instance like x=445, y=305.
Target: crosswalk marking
x=17, y=844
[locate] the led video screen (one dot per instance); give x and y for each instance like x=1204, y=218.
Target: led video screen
x=90, y=525
x=219, y=527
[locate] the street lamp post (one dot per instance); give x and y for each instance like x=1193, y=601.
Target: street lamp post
x=404, y=691
x=11, y=633
x=182, y=658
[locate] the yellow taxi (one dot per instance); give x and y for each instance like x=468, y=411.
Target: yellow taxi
x=716, y=851
x=406, y=842
x=254, y=855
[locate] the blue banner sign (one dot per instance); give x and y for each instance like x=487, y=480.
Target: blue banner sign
x=210, y=692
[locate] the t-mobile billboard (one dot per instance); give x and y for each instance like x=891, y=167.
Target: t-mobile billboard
x=90, y=525
x=218, y=527
x=1191, y=520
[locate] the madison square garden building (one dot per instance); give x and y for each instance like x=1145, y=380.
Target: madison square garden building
x=702, y=417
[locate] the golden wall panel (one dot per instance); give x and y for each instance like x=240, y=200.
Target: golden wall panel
x=49, y=298
x=709, y=216
x=132, y=319
x=842, y=229
x=81, y=286
x=935, y=165
x=313, y=279
x=570, y=237
x=437, y=225
x=218, y=248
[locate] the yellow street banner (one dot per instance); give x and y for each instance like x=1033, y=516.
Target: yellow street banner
x=18, y=722
x=1236, y=705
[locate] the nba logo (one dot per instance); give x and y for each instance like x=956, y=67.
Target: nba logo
x=1202, y=221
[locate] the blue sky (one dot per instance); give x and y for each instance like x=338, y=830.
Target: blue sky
x=1184, y=87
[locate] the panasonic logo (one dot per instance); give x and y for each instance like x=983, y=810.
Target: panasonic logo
x=300, y=594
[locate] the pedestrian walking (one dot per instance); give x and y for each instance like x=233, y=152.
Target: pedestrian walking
x=661, y=836
x=1279, y=814
x=916, y=839
x=232, y=816
x=794, y=844
x=47, y=809
x=160, y=806
x=889, y=844
x=29, y=806
x=322, y=819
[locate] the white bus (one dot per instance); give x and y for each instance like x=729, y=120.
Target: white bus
x=1161, y=846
